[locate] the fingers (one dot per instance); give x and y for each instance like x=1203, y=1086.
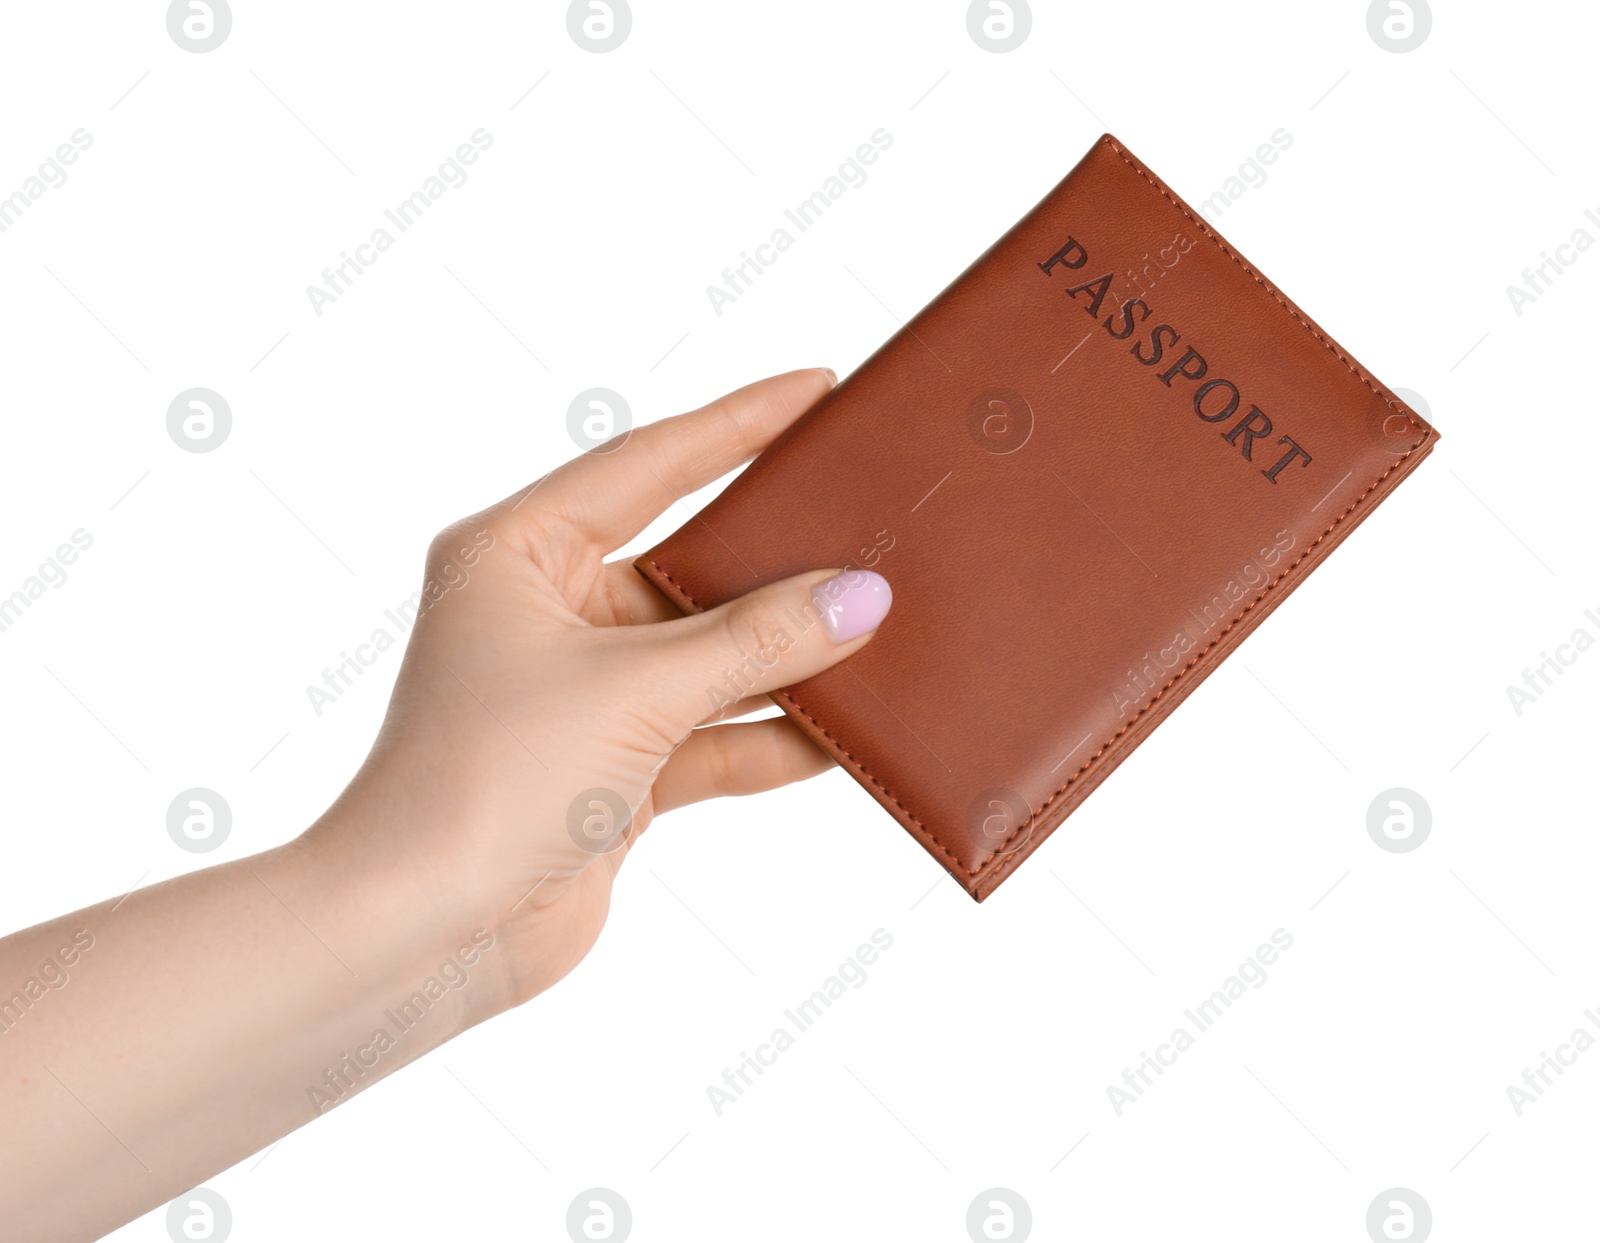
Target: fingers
x=612, y=493
x=776, y=636
x=738, y=759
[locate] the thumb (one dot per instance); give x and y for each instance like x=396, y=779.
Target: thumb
x=773, y=637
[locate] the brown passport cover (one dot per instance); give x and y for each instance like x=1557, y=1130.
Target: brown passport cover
x=1088, y=469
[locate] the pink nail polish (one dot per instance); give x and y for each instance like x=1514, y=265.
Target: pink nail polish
x=852, y=603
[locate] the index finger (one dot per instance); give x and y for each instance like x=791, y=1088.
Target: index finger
x=611, y=494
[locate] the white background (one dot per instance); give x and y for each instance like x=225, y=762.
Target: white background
x=979, y=1051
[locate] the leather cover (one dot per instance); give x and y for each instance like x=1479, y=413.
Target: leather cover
x=1088, y=469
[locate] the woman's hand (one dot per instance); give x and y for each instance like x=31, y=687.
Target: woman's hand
x=547, y=707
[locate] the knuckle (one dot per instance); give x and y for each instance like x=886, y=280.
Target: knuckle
x=457, y=549
x=441, y=547
x=720, y=768
x=441, y=554
x=758, y=633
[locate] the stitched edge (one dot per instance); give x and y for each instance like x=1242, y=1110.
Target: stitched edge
x=1001, y=858
x=1350, y=364
x=1000, y=855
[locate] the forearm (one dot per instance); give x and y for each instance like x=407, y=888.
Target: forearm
x=188, y=1025
x=539, y=720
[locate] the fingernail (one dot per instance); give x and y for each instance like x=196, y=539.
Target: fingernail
x=852, y=603
x=833, y=376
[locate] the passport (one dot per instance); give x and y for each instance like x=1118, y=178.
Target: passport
x=1089, y=468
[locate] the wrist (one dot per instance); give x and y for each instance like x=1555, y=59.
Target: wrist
x=409, y=924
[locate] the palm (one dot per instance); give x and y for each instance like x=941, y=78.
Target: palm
x=543, y=679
